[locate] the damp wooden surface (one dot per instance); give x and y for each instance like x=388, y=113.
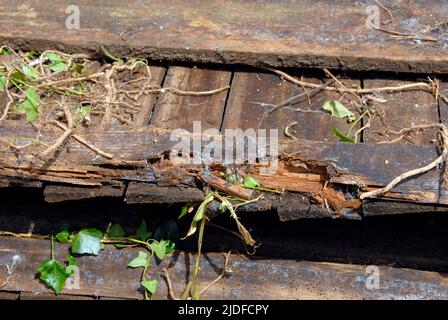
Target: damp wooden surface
x=281, y=33
x=108, y=275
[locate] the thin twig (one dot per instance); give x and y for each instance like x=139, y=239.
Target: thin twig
x=85, y=142
x=410, y=86
x=223, y=273
x=402, y=35
x=387, y=10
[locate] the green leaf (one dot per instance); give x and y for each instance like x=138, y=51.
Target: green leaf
x=232, y=178
x=17, y=78
x=30, y=72
x=31, y=54
x=159, y=248
x=116, y=231
x=71, y=261
x=32, y=97
x=2, y=82
x=57, y=62
x=338, y=110
x=140, y=261
x=250, y=182
x=142, y=233
x=5, y=52
x=186, y=209
x=150, y=285
x=82, y=111
x=53, y=57
x=53, y=274
x=72, y=265
x=87, y=241
x=29, y=109
x=341, y=136
x=58, y=67
x=62, y=236
x=170, y=247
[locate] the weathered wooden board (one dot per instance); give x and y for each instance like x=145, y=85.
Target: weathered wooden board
x=108, y=275
x=402, y=110
x=147, y=102
x=443, y=105
x=174, y=111
x=360, y=165
x=255, y=94
x=282, y=33
x=57, y=193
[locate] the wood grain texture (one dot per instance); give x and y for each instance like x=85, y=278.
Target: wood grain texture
x=107, y=275
x=174, y=111
x=443, y=105
x=402, y=110
x=147, y=102
x=283, y=33
x=361, y=165
x=254, y=93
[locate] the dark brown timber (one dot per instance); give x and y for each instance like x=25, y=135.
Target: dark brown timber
x=283, y=33
x=107, y=275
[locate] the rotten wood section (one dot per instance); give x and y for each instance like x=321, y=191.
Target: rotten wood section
x=401, y=110
x=255, y=99
x=107, y=275
x=285, y=33
x=329, y=174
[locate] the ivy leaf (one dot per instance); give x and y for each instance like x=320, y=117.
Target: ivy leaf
x=82, y=111
x=186, y=209
x=72, y=265
x=30, y=72
x=341, y=136
x=5, y=52
x=116, y=231
x=71, y=261
x=31, y=54
x=57, y=62
x=17, y=78
x=142, y=233
x=58, y=67
x=170, y=247
x=87, y=241
x=2, y=82
x=169, y=231
x=232, y=178
x=139, y=261
x=62, y=236
x=250, y=182
x=338, y=110
x=53, y=274
x=30, y=105
x=159, y=248
x=150, y=285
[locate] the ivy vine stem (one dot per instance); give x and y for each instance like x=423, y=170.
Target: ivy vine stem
x=195, y=294
x=52, y=247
